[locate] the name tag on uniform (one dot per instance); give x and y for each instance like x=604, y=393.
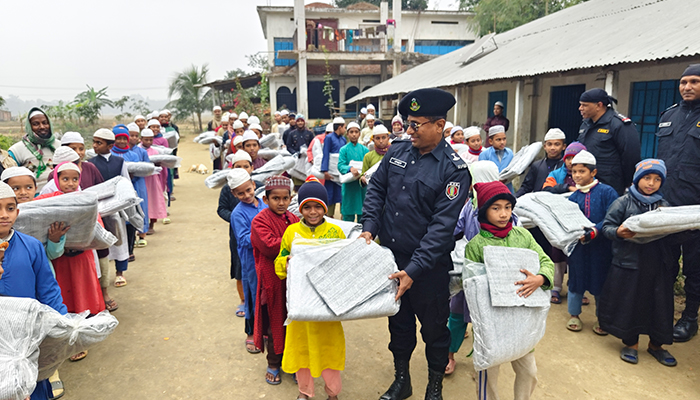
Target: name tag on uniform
x=665, y=124
x=397, y=162
x=606, y=131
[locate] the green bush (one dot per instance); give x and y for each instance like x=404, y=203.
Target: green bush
x=6, y=141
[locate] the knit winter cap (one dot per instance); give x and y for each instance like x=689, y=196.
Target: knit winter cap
x=555, y=134
x=236, y=177
x=693, y=69
x=72, y=137
x=573, y=149
x=650, y=166
x=312, y=190
x=397, y=118
x=14, y=172
x=496, y=129
x=489, y=192
x=120, y=130
x=584, y=157
x=63, y=154
x=278, y=182
x=471, y=132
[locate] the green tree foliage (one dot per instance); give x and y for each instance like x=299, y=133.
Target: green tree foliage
x=121, y=104
x=192, y=99
x=89, y=104
x=2, y=102
x=328, y=88
x=405, y=4
x=503, y=15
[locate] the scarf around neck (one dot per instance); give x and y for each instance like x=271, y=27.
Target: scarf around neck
x=648, y=200
x=475, y=152
x=587, y=188
x=118, y=150
x=383, y=151
x=496, y=231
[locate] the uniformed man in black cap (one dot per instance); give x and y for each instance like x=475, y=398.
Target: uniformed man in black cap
x=412, y=205
x=611, y=137
x=679, y=147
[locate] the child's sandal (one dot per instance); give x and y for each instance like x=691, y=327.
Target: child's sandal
x=628, y=354
x=574, y=324
x=556, y=297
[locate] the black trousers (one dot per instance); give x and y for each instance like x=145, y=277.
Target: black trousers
x=427, y=299
x=131, y=237
x=691, y=270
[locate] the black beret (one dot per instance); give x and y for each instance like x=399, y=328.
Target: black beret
x=426, y=103
x=693, y=69
x=596, y=95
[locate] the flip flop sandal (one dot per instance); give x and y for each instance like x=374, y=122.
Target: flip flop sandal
x=598, y=331
x=276, y=374
x=111, y=305
x=120, y=281
x=251, y=342
x=585, y=301
x=141, y=243
x=664, y=357
x=132, y=258
x=628, y=354
x=240, y=311
x=57, y=387
x=556, y=297
x=574, y=324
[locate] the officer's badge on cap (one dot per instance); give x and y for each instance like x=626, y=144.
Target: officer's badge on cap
x=415, y=106
x=426, y=103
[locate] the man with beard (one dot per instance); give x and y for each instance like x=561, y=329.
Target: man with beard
x=35, y=150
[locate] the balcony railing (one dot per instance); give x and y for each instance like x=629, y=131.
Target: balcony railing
x=372, y=39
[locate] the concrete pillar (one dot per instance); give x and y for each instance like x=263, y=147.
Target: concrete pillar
x=342, y=86
x=611, y=80
x=396, y=16
x=273, y=95
x=518, y=114
x=383, y=16
x=457, y=106
x=302, y=81
x=470, y=95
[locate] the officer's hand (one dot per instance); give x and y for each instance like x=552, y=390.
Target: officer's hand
x=327, y=176
x=530, y=283
x=405, y=282
x=367, y=236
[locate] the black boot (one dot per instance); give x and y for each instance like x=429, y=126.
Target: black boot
x=401, y=388
x=434, y=389
x=685, y=329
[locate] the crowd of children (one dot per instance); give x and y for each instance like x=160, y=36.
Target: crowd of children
x=55, y=274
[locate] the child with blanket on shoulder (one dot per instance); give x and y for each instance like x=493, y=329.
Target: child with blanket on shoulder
x=312, y=349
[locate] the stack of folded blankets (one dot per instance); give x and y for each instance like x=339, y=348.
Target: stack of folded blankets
x=521, y=160
x=663, y=221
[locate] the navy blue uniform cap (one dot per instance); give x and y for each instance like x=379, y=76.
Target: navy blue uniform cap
x=426, y=103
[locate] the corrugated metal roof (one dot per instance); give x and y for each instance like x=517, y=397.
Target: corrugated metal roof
x=592, y=34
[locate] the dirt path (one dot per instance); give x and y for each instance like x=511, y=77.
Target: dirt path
x=179, y=338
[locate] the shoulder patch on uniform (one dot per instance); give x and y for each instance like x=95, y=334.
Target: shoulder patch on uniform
x=670, y=108
x=622, y=118
x=456, y=159
x=452, y=190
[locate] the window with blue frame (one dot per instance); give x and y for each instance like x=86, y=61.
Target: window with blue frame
x=439, y=47
x=283, y=44
x=649, y=99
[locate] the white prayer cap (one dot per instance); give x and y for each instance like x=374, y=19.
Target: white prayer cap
x=584, y=157
x=370, y=107
x=483, y=171
x=155, y=114
x=224, y=118
x=233, y=116
x=255, y=126
x=555, y=134
x=472, y=131
x=149, y=116
x=69, y=166
x=132, y=127
x=369, y=117
x=351, y=125
x=237, y=177
x=496, y=129
x=138, y=117
x=243, y=115
x=277, y=113
x=35, y=113
x=241, y=155
x=147, y=133
x=13, y=172
x=237, y=124
x=498, y=103
x=253, y=120
x=237, y=139
x=153, y=122
x=363, y=110
x=284, y=112
x=338, y=120
x=72, y=137
x=250, y=135
x=448, y=125
x=329, y=127
x=103, y=133
x=64, y=153
x=6, y=191
x=456, y=129
x=216, y=108
x=164, y=112
x=379, y=129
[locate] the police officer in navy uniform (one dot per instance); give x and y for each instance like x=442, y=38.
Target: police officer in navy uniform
x=412, y=205
x=610, y=137
x=679, y=147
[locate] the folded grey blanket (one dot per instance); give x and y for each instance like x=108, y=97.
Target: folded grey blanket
x=503, y=265
x=521, y=160
x=663, y=221
x=140, y=169
x=217, y=179
x=166, y=161
x=276, y=166
x=114, y=195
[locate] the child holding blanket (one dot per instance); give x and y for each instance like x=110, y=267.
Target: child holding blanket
x=312, y=349
x=495, y=218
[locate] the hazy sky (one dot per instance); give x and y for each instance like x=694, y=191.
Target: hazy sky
x=52, y=49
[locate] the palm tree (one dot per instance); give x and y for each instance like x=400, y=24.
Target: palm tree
x=90, y=103
x=187, y=85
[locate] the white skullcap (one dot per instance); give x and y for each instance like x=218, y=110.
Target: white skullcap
x=238, y=124
x=483, y=171
x=243, y=115
x=233, y=116
x=241, y=155
x=153, y=122
x=253, y=120
x=237, y=139
x=132, y=127
x=555, y=134
x=255, y=126
x=284, y=112
x=237, y=177
x=498, y=103
x=72, y=137
x=14, y=172
x=155, y=114
x=35, y=113
x=138, y=117
x=369, y=117
x=103, y=133
x=69, y=166
x=584, y=157
x=147, y=133
x=250, y=135
x=379, y=129
x=64, y=153
x=164, y=112
x=329, y=127
x=277, y=113
x=448, y=125
x=471, y=132
x=224, y=118
x=496, y=129
x=370, y=107
x=6, y=191
x=216, y=108
x=338, y=120
x=363, y=110
x=456, y=129
x=351, y=125
x=149, y=116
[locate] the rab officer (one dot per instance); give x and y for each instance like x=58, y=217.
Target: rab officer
x=412, y=205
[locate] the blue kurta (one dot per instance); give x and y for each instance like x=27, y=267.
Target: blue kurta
x=353, y=193
x=501, y=158
x=138, y=154
x=332, y=144
x=241, y=220
x=28, y=274
x=589, y=263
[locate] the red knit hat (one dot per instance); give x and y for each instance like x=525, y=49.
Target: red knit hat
x=489, y=192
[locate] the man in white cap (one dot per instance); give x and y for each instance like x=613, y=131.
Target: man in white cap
x=35, y=150
x=498, y=118
x=554, y=145
x=251, y=145
x=275, y=126
x=215, y=123
x=498, y=152
x=366, y=133
x=332, y=145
